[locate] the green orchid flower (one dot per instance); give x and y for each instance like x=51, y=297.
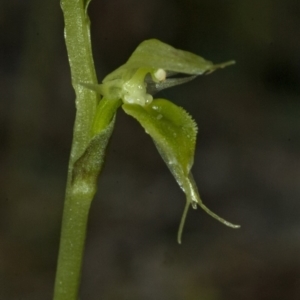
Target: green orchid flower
x=132, y=86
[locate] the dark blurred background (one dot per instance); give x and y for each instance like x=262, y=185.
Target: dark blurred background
x=247, y=161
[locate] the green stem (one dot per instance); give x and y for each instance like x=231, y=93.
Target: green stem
x=77, y=37
x=79, y=194
x=76, y=210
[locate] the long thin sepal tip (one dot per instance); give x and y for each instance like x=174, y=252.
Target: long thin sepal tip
x=182, y=222
x=215, y=216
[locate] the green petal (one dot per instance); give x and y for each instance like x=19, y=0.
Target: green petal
x=174, y=134
x=154, y=54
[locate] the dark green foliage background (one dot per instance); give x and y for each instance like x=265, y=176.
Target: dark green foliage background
x=247, y=162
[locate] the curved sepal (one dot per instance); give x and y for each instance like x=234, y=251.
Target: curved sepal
x=174, y=134
x=172, y=129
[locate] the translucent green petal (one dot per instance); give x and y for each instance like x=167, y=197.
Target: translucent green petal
x=174, y=134
x=154, y=54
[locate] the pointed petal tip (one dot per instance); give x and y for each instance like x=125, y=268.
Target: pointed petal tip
x=225, y=64
x=220, y=66
x=235, y=226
